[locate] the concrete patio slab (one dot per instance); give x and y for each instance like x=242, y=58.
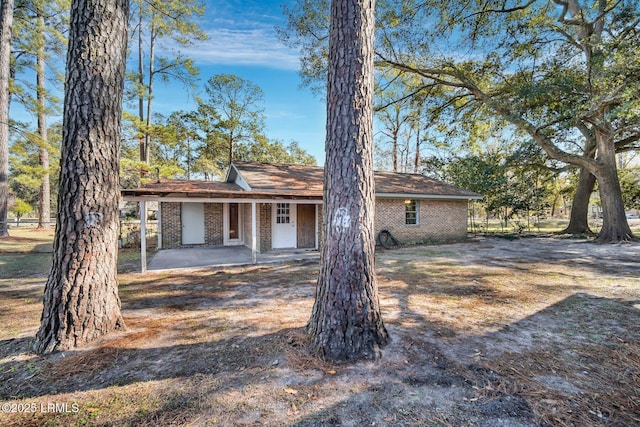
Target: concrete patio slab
x=170, y=259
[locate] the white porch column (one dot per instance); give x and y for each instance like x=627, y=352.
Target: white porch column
x=143, y=236
x=254, y=233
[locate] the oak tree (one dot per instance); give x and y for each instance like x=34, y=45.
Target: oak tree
x=563, y=72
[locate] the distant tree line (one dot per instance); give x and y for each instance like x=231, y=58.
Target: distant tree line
x=228, y=122
x=561, y=74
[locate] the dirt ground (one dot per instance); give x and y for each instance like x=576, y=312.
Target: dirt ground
x=490, y=332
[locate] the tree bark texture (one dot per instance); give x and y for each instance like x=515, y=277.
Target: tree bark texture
x=346, y=323
x=81, y=300
x=44, y=211
x=615, y=227
x=6, y=24
x=579, y=218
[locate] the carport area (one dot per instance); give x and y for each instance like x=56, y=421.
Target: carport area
x=169, y=259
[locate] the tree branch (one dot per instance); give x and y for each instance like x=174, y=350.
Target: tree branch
x=503, y=10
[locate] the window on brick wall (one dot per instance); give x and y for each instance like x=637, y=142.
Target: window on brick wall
x=411, y=212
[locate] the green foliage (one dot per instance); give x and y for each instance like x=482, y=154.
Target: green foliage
x=239, y=115
x=20, y=208
x=630, y=183
x=513, y=186
x=26, y=174
x=266, y=151
x=196, y=144
x=307, y=30
x=28, y=37
x=154, y=24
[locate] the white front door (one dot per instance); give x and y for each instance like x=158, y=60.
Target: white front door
x=284, y=226
x=192, y=223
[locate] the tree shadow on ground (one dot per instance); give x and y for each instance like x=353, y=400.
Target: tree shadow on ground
x=576, y=362
x=529, y=370
x=14, y=347
x=112, y=364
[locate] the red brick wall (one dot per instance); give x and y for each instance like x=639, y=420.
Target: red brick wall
x=264, y=227
x=213, y=224
x=171, y=219
x=437, y=220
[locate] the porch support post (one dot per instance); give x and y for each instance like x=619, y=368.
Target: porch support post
x=254, y=234
x=143, y=236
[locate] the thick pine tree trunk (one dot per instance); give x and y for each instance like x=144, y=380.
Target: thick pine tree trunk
x=44, y=215
x=81, y=300
x=346, y=323
x=579, y=219
x=6, y=23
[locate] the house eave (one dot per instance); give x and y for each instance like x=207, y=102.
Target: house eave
x=196, y=199
x=428, y=196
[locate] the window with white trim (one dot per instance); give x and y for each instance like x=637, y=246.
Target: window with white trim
x=411, y=212
x=283, y=213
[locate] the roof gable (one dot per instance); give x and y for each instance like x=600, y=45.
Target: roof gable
x=275, y=177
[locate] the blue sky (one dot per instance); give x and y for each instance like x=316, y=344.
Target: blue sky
x=243, y=41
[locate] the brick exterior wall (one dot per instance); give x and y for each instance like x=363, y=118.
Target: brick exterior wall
x=171, y=219
x=213, y=224
x=437, y=220
x=264, y=227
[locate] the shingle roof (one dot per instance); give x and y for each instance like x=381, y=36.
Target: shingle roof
x=279, y=177
x=414, y=184
x=275, y=177
x=267, y=180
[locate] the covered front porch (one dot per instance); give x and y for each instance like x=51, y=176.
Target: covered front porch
x=194, y=257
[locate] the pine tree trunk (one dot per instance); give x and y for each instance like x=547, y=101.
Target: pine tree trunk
x=141, y=138
x=579, y=219
x=152, y=58
x=6, y=23
x=81, y=300
x=346, y=323
x=44, y=214
x=416, y=159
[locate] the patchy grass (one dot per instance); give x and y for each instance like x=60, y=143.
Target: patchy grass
x=490, y=332
x=27, y=240
x=27, y=253
x=545, y=226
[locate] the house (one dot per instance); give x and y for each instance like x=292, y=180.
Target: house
x=274, y=206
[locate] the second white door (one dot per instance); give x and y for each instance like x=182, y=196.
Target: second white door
x=284, y=226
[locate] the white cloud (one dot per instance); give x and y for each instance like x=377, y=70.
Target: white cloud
x=253, y=47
